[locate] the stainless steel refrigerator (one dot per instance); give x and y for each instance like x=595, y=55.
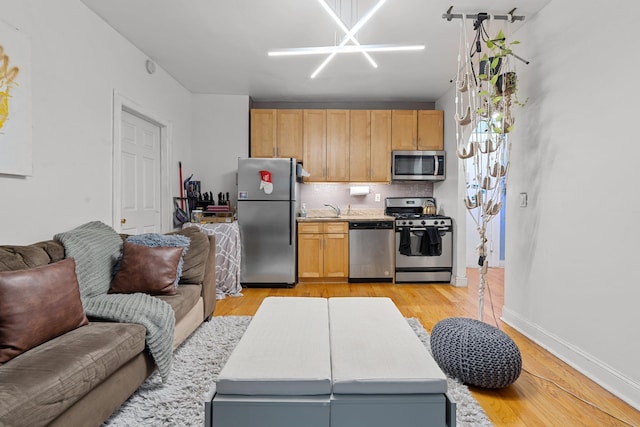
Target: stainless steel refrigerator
x=267, y=208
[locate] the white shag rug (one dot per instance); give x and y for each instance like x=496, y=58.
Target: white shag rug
x=196, y=364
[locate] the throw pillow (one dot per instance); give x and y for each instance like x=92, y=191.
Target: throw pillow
x=195, y=260
x=37, y=305
x=158, y=240
x=147, y=269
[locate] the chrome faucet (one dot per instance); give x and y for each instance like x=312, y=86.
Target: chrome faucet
x=335, y=208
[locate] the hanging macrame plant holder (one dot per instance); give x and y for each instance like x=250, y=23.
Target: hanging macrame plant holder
x=483, y=117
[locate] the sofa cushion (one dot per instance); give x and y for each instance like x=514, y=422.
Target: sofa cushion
x=22, y=257
x=185, y=298
x=163, y=240
x=195, y=260
x=36, y=386
x=37, y=305
x=146, y=269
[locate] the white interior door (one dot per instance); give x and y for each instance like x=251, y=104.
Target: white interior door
x=140, y=179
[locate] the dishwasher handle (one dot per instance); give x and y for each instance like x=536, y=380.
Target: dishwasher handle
x=371, y=225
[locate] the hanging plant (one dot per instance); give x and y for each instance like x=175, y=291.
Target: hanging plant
x=488, y=66
x=507, y=83
x=503, y=84
x=484, y=118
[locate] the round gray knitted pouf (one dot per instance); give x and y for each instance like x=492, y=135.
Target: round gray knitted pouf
x=475, y=352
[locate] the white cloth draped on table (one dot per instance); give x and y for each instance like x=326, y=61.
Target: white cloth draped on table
x=228, y=252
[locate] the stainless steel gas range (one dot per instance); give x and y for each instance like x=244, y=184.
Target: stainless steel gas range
x=424, y=242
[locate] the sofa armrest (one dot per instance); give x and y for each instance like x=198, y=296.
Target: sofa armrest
x=209, y=283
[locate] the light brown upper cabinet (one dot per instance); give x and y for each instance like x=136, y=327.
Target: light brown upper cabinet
x=430, y=130
x=315, y=144
x=381, y=145
x=338, y=145
x=326, y=145
x=404, y=129
x=344, y=145
x=276, y=133
x=370, y=146
x=360, y=145
x=417, y=130
x=263, y=132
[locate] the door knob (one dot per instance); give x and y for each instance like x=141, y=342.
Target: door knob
x=123, y=221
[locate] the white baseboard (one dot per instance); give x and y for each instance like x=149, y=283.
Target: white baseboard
x=459, y=281
x=606, y=376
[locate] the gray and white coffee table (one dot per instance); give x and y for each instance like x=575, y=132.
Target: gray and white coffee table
x=339, y=362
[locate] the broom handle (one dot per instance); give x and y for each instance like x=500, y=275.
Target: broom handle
x=181, y=187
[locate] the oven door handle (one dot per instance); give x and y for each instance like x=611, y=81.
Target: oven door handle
x=440, y=229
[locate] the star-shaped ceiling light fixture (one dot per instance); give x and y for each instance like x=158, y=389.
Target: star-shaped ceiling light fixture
x=349, y=36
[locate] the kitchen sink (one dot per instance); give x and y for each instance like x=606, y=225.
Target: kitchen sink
x=313, y=217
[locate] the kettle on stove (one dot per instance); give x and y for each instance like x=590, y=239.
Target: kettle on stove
x=429, y=209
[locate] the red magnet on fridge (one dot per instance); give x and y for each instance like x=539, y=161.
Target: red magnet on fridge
x=266, y=184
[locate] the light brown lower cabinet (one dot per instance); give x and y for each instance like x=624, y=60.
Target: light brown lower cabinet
x=323, y=251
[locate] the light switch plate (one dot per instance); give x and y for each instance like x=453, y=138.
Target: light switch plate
x=377, y=197
x=523, y=200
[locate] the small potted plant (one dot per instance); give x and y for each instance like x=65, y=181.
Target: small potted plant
x=500, y=92
x=507, y=83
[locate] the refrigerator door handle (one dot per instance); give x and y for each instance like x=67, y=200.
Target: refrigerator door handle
x=291, y=204
x=290, y=223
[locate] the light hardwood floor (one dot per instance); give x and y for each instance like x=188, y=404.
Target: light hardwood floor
x=556, y=400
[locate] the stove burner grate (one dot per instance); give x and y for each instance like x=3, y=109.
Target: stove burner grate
x=416, y=216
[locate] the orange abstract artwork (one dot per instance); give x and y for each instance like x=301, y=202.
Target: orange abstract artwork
x=7, y=81
x=16, y=134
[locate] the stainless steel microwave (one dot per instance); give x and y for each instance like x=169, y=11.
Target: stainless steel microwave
x=418, y=165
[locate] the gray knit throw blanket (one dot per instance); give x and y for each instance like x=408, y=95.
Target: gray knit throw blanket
x=96, y=247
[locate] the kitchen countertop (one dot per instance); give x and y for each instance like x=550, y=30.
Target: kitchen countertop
x=329, y=215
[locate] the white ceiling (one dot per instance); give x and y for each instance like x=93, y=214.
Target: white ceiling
x=220, y=47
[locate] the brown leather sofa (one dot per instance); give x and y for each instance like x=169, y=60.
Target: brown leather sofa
x=81, y=377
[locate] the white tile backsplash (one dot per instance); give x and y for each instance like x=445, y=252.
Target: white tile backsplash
x=315, y=195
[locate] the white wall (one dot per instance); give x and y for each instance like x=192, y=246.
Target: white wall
x=220, y=136
x=572, y=281
x=77, y=63
x=450, y=192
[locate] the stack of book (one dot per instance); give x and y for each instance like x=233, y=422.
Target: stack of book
x=218, y=209
x=218, y=213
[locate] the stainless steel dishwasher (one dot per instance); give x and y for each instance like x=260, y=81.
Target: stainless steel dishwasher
x=371, y=251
